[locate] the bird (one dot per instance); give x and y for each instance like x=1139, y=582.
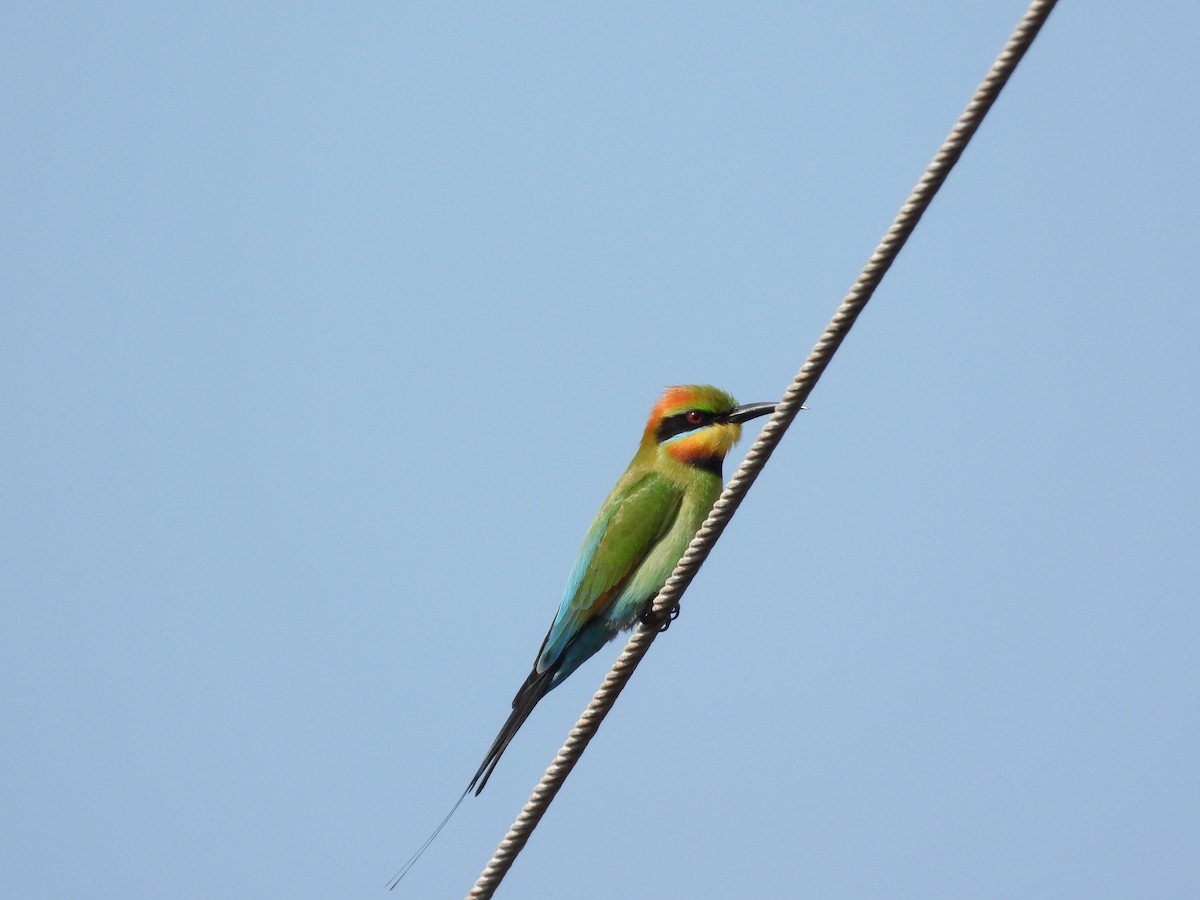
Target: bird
x=631, y=548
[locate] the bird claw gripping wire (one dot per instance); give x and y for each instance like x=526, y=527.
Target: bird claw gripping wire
x=649, y=619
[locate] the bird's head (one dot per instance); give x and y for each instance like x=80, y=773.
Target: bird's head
x=697, y=424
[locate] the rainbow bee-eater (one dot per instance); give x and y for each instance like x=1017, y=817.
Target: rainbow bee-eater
x=632, y=546
x=641, y=531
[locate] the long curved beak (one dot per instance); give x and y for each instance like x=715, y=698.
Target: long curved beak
x=748, y=412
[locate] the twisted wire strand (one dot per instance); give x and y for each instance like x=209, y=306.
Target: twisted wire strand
x=793, y=399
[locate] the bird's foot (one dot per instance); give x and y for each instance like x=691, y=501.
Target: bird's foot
x=649, y=619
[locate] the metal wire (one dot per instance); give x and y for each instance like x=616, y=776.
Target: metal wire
x=874, y=270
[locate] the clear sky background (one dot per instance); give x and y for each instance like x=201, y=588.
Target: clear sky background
x=326, y=330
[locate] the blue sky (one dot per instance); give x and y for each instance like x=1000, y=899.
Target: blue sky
x=326, y=329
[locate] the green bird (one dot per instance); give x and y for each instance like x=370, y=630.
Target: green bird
x=641, y=531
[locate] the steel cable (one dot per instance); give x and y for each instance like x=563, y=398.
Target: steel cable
x=839, y=326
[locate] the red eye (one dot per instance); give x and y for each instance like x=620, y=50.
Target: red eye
x=695, y=417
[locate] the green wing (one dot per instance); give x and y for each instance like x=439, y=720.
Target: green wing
x=632, y=521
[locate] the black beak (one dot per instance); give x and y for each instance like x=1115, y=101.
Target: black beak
x=749, y=411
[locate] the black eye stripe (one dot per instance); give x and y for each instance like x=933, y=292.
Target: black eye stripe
x=671, y=426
